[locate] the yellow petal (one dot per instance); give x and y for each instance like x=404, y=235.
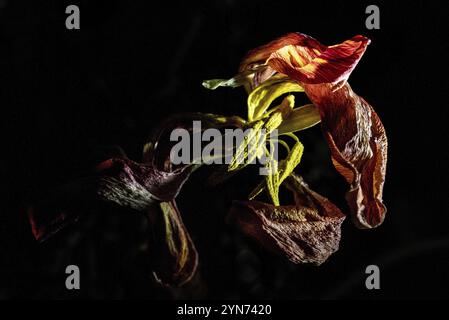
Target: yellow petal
x=248, y=148
x=272, y=181
x=293, y=159
x=260, y=98
x=300, y=118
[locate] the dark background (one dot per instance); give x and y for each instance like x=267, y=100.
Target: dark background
x=66, y=93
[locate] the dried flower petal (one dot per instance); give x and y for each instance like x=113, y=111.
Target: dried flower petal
x=257, y=58
x=119, y=180
x=173, y=256
x=308, y=232
x=121, y=177
x=332, y=65
x=358, y=145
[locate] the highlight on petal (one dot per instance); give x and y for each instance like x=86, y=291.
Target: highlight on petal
x=259, y=56
x=125, y=182
x=332, y=65
x=235, y=82
x=241, y=79
x=307, y=232
x=358, y=145
x=173, y=256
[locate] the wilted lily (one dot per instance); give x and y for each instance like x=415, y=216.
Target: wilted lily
x=353, y=131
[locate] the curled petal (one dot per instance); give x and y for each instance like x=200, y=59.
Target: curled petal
x=121, y=181
x=256, y=60
x=308, y=232
x=332, y=65
x=124, y=177
x=259, y=56
x=254, y=69
x=304, y=59
x=173, y=256
x=358, y=145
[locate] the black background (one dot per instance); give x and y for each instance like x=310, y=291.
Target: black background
x=66, y=93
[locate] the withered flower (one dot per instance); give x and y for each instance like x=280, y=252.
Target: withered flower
x=308, y=231
x=139, y=187
x=172, y=254
x=356, y=137
x=354, y=132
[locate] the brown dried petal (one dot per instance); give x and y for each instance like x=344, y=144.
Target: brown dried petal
x=308, y=232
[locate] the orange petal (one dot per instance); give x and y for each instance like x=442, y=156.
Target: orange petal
x=260, y=55
x=331, y=65
x=257, y=58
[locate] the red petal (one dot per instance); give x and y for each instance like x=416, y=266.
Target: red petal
x=46, y=224
x=358, y=145
x=333, y=64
